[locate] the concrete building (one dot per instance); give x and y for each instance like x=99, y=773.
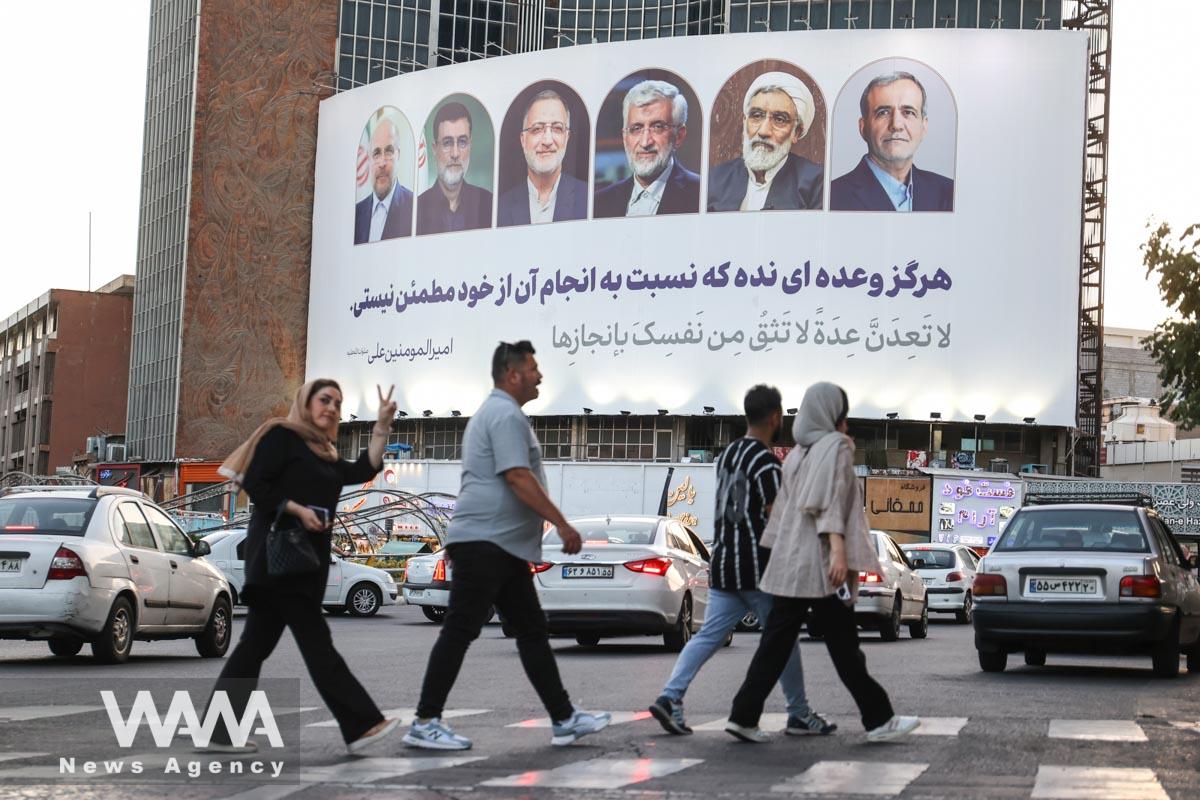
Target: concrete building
x=64, y=371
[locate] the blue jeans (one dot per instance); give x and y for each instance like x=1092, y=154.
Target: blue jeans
x=725, y=610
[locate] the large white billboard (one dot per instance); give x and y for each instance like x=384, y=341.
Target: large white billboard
x=671, y=221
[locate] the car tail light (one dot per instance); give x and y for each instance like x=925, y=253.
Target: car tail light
x=539, y=566
x=65, y=565
x=1140, y=586
x=954, y=576
x=439, y=572
x=870, y=577
x=989, y=585
x=650, y=566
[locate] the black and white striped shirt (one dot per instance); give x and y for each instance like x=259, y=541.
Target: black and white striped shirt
x=748, y=476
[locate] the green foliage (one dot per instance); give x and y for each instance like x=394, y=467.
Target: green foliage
x=1175, y=343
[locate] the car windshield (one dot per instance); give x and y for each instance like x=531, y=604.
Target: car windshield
x=616, y=531
x=28, y=513
x=1110, y=530
x=934, y=559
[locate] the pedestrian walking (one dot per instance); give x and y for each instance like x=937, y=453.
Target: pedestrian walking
x=291, y=470
x=494, y=535
x=748, y=475
x=819, y=543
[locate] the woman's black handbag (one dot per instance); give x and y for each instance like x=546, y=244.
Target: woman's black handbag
x=290, y=552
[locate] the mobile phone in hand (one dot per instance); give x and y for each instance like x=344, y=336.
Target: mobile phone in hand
x=843, y=592
x=322, y=514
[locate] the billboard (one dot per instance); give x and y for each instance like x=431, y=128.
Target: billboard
x=671, y=221
x=973, y=511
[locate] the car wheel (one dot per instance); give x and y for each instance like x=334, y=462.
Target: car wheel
x=920, y=628
x=364, y=600
x=1166, y=653
x=65, y=647
x=587, y=639
x=748, y=623
x=1035, y=658
x=434, y=613
x=993, y=660
x=963, y=615
x=333, y=611
x=678, y=637
x=115, y=641
x=889, y=626
x=215, y=640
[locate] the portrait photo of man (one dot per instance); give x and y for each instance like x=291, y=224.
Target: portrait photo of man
x=893, y=121
x=452, y=203
x=777, y=112
x=543, y=188
x=386, y=210
x=654, y=126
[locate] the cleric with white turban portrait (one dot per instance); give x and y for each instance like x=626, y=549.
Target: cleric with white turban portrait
x=777, y=110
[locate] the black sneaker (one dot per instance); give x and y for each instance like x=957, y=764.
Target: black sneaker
x=669, y=714
x=812, y=722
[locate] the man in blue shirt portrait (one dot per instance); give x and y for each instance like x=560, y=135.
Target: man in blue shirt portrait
x=893, y=121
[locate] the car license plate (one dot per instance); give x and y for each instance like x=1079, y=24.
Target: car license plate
x=416, y=592
x=587, y=571
x=1060, y=586
x=10, y=564
x=928, y=581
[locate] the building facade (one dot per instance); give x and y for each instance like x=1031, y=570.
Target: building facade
x=64, y=370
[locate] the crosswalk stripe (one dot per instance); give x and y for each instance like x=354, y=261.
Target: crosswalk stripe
x=1096, y=730
x=940, y=726
x=1187, y=726
x=768, y=722
x=1097, y=783
x=618, y=718
x=27, y=713
x=19, y=756
x=597, y=773
x=406, y=716
x=268, y=792
x=368, y=770
x=852, y=777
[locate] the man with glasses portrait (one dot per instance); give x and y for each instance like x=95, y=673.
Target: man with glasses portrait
x=778, y=111
x=452, y=204
x=547, y=194
x=387, y=212
x=654, y=125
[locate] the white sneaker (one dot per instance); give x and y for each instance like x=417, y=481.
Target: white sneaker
x=747, y=733
x=894, y=728
x=365, y=741
x=579, y=724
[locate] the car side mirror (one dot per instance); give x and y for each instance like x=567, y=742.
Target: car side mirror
x=201, y=548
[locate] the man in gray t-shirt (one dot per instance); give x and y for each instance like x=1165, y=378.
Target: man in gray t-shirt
x=495, y=533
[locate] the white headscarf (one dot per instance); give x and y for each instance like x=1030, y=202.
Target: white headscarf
x=790, y=85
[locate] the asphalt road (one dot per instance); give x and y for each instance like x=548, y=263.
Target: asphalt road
x=993, y=735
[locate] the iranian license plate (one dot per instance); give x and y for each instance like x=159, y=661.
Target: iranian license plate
x=928, y=581
x=1061, y=586
x=10, y=564
x=416, y=592
x=587, y=571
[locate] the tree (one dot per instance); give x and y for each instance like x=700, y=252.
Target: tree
x=1175, y=343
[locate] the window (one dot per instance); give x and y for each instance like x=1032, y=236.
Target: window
x=1074, y=529
x=934, y=559
x=64, y=516
x=554, y=434
x=136, y=530
x=443, y=438
x=609, y=530
x=627, y=438
x=172, y=538
x=240, y=550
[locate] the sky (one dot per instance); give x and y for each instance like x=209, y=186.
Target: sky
x=96, y=74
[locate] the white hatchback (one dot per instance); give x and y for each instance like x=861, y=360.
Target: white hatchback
x=105, y=566
x=356, y=588
x=948, y=572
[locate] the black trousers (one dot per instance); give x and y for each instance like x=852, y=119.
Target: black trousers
x=836, y=623
x=485, y=575
x=270, y=612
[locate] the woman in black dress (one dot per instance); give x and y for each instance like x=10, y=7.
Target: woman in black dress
x=291, y=470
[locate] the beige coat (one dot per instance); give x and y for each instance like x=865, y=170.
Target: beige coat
x=799, y=554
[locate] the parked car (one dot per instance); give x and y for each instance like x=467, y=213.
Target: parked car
x=105, y=566
x=427, y=584
x=635, y=575
x=1087, y=578
x=948, y=572
x=894, y=597
x=352, y=587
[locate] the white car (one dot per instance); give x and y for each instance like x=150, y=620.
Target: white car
x=356, y=588
x=635, y=575
x=948, y=571
x=427, y=584
x=893, y=597
x=104, y=565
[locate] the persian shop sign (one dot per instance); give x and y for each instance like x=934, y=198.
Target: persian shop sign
x=898, y=504
x=972, y=511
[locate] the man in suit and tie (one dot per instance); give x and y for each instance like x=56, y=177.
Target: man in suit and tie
x=452, y=204
x=654, y=116
x=547, y=194
x=778, y=111
x=387, y=212
x=893, y=121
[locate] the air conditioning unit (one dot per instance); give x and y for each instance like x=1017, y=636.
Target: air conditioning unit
x=114, y=453
x=95, y=446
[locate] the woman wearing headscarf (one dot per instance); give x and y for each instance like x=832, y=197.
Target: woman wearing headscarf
x=819, y=542
x=291, y=470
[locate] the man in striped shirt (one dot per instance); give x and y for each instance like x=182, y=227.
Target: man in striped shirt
x=748, y=475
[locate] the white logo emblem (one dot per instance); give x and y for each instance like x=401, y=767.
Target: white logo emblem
x=165, y=729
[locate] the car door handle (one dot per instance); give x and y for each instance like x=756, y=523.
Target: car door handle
x=134, y=559
x=174, y=565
